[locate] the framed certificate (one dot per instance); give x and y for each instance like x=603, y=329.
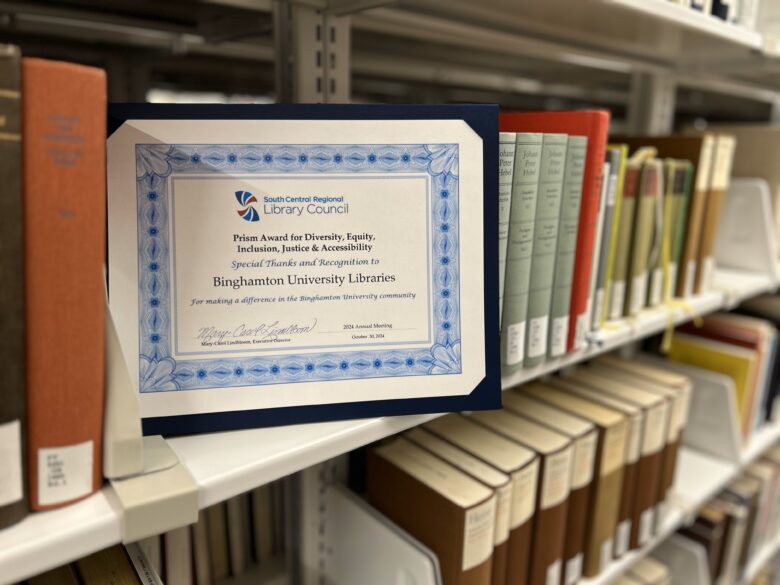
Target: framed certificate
x=280, y=264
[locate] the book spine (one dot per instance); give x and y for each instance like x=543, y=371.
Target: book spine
x=586, y=234
x=524, y=490
x=261, y=523
x=178, y=557
x=218, y=541
x=579, y=501
x=610, y=202
x=506, y=165
x=644, y=221
x=687, y=269
x=200, y=550
x=682, y=190
x=617, y=295
x=13, y=498
x=64, y=130
x=525, y=183
x=721, y=173
x=548, y=212
x=567, y=244
x=238, y=533
x=660, y=253
x=597, y=249
x=628, y=491
x=622, y=154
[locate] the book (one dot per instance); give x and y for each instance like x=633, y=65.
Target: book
x=594, y=124
x=64, y=172
x=614, y=160
x=617, y=295
x=659, y=288
x=506, y=164
x=110, y=566
x=709, y=530
x=261, y=523
x=649, y=193
x=13, y=489
x=766, y=307
x=552, y=495
x=548, y=212
x=628, y=494
x=200, y=550
x=746, y=492
x=445, y=509
x=736, y=523
x=152, y=551
x=723, y=157
x=584, y=437
x=699, y=151
x=525, y=184
x=519, y=463
x=64, y=575
x=680, y=178
x=656, y=413
x=766, y=474
x=218, y=541
x=650, y=571
x=567, y=244
x=608, y=481
x=499, y=482
x=178, y=557
x=239, y=539
x=620, y=156
x=597, y=249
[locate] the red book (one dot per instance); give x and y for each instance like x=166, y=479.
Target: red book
x=63, y=177
x=595, y=125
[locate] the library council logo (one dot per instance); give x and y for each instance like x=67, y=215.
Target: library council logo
x=245, y=200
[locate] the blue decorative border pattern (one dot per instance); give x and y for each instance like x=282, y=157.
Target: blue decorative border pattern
x=155, y=163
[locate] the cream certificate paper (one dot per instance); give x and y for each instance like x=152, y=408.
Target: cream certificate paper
x=266, y=263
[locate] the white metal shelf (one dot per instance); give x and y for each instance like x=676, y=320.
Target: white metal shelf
x=230, y=463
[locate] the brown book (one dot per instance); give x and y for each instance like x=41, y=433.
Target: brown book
x=584, y=437
x=552, y=495
x=60, y=576
x=656, y=410
x=111, y=566
x=698, y=150
x=649, y=571
x=709, y=530
x=13, y=496
x=519, y=463
x=628, y=493
x=733, y=533
x=499, y=482
x=64, y=130
x=725, y=146
x=607, y=484
x=445, y=509
x=654, y=377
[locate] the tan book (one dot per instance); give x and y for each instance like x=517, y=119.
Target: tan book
x=699, y=150
x=656, y=410
x=764, y=472
x=59, y=576
x=262, y=527
x=200, y=550
x=668, y=383
x=110, y=566
x=584, y=436
x=725, y=145
x=218, y=541
x=746, y=491
x=499, y=482
x=649, y=571
x=445, y=509
x=608, y=481
x=519, y=463
x=628, y=493
x=552, y=495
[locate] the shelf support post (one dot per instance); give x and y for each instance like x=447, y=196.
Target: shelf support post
x=651, y=104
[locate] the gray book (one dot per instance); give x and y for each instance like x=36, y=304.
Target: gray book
x=548, y=214
x=525, y=183
x=506, y=163
x=613, y=159
x=567, y=245
x=594, y=268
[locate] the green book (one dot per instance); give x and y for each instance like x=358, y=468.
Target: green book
x=602, y=259
x=522, y=216
x=617, y=294
x=506, y=163
x=548, y=214
x=567, y=244
x=683, y=182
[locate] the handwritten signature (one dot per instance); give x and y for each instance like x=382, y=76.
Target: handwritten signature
x=260, y=331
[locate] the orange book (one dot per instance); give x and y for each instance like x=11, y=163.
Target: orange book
x=594, y=124
x=64, y=173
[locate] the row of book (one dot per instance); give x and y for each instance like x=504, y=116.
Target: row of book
x=739, y=12
x=571, y=474
x=230, y=539
x=733, y=526
x=592, y=232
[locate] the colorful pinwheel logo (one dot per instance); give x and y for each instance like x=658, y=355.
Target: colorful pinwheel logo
x=249, y=213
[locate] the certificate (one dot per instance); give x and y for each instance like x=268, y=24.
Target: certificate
x=290, y=269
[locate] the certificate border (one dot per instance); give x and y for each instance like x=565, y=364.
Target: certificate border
x=159, y=371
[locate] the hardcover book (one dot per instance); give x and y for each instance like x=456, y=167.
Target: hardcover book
x=592, y=290
x=617, y=295
x=610, y=206
x=594, y=125
x=64, y=173
x=304, y=302
x=621, y=152
x=506, y=165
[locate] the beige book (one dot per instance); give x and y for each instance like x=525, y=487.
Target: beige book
x=218, y=541
x=649, y=571
x=178, y=557
x=200, y=550
x=262, y=526
x=152, y=549
x=110, y=566
x=499, y=482
x=449, y=512
x=635, y=421
x=656, y=411
x=764, y=472
x=519, y=463
x=669, y=383
x=552, y=496
x=238, y=533
x=584, y=436
x=608, y=481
